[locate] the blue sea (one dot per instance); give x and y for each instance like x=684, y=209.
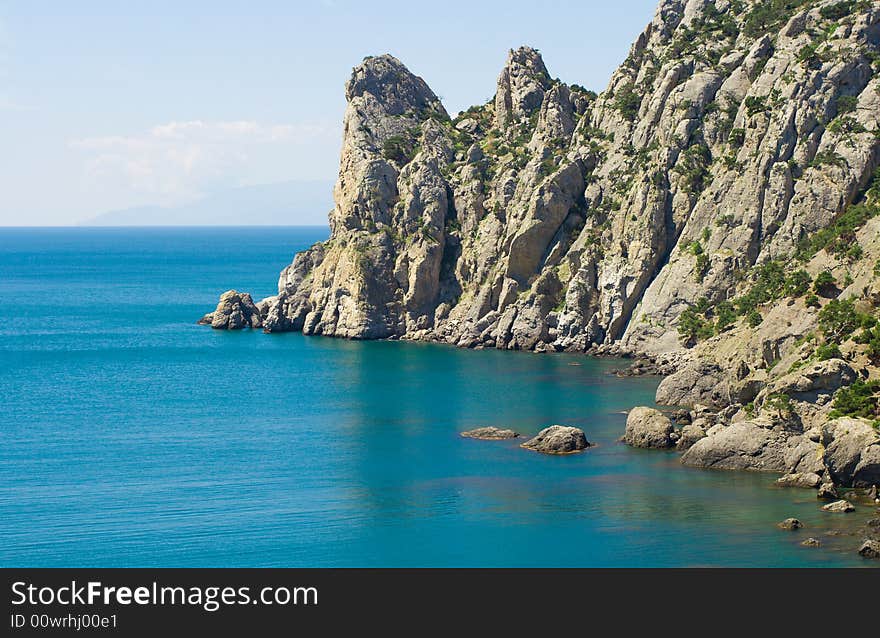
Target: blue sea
x=133, y=437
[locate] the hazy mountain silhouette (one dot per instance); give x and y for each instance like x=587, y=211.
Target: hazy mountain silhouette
x=295, y=203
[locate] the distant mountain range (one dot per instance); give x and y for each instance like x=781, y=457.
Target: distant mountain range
x=294, y=203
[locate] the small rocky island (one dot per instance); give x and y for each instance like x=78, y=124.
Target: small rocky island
x=490, y=434
x=558, y=439
x=714, y=213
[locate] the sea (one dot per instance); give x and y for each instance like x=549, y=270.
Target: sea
x=132, y=437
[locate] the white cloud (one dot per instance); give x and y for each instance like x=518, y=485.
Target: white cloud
x=181, y=160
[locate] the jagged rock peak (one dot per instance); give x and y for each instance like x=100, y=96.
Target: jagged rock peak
x=395, y=87
x=521, y=86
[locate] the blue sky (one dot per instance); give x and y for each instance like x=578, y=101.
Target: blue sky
x=109, y=105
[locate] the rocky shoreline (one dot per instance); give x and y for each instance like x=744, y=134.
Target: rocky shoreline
x=713, y=216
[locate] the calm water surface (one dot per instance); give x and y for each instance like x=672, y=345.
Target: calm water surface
x=133, y=437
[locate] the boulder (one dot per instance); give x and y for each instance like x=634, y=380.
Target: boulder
x=558, y=439
x=852, y=452
x=747, y=445
x=805, y=480
x=804, y=456
x=870, y=549
x=790, y=524
x=648, y=428
x=695, y=382
x=839, y=507
x=827, y=491
x=811, y=542
x=689, y=435
x=806, y=384
x=490, y=434
x=235, y=311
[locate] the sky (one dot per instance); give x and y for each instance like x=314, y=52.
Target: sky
x=109, y=105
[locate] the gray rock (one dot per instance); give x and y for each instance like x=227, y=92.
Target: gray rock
x=235, y=311
x=689, y=435
x=808, y=480
x=852, y=452
x=739, y=446
x=696, y=382
x=490, y=434
x=811, y=542
x=648, y=428
x=839, y=507
x=790, y=524
x=558, y=439
x=870, y=549
x=827, y=491
x=808, y=383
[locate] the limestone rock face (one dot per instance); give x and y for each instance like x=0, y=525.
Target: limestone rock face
x=648, y=428
x=552, y=218
x=378, y=275
x=558, y=439
x=521, y=86
x=235, y=311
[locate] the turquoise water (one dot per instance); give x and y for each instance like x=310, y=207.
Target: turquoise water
x=133, y=437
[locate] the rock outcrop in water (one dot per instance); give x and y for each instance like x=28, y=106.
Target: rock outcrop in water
x=558, y=439
x=235, y=311
x=649, y=428
x=490, y=434
x=714, y=211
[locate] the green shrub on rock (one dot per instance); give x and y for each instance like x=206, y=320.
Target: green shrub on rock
x=861, y=399
x=825, y=283
x=839, y=319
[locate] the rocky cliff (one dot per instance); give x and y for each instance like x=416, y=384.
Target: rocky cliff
x=693, y=212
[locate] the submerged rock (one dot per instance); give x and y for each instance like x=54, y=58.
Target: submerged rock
x=558, y=439
x=811, y=542
x=790, y=524
x=648, y=428
x=839, y=507
x=235, y=311
x=490, y=434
